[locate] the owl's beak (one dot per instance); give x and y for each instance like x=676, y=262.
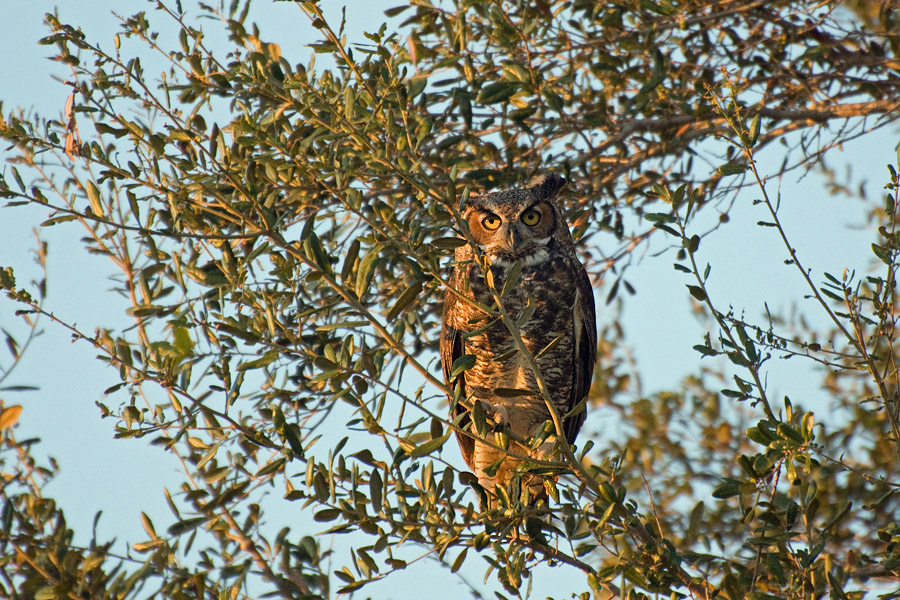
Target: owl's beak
x=512, y=241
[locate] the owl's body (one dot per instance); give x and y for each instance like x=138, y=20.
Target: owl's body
x=524, y=227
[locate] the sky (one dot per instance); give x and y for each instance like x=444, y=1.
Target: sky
x=122, y=478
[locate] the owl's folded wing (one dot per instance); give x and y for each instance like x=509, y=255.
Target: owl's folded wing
x=452, y=348
x=584, y=352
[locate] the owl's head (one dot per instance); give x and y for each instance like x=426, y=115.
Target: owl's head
x=517, y=224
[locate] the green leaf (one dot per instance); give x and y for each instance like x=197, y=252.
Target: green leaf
x=697, y=292
x=326, y=515
x=458, y=562
x=609, y=492
x=429, y=446
x=376, y=485
x=491, y=469
x=882, y=253
x=727, y=489
x=461, y=364
x=660, y=191
x=693, y=244
x=498, y=92
x=806, y=427
x=367, y=270
x=293, y=440
x=323, y=47
x=93, y=195
x=216, y=474
x=48, y=592
x=341, y=325
x=308, y=228
x=18, y=179
x=837, y=518
x=479, y=422
x=754, y=130
x=831, y=294
x=747, y=465
x=352, y=587
x=550, y=346
x=759, y=435
x=107, y=129
x=264, y=360
x=61, y=219
x=211, y=278
x=705, y=350
x=667, y=229
x=789, y=433
x=448, y=243
x=315, y=252
x=207, y=457
x=554, y=100
x=405, y=299
x=271, y=467
x=325, y=375
x=350, y=261
x=731, y=169
x=695, y=521
x=660, y=218
x=182, y=341
x=436, y=429
x=512, y=278
x=678, y=198
x=836, y=587
x=832, y=279
x=186, y=525
x=393, y=12
x=527, y=313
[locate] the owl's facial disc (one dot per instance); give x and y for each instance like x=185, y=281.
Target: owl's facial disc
x=513, y=232
x=515, y=242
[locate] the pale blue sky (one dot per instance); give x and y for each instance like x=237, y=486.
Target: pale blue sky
x=124, y=477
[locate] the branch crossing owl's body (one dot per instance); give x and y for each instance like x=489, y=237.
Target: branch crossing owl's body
x=523, y=227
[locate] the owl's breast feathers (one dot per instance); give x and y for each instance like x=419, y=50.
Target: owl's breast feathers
x=563, y=314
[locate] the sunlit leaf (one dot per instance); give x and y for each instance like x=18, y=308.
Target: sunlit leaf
x=9, y=416
x=93, y=195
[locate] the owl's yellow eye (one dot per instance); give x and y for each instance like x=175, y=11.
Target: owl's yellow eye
x=490, y=222
x=531, y=217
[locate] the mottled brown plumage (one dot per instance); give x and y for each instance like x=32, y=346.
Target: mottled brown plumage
x=523, y=227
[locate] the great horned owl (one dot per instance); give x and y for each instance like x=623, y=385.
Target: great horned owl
x=523, y=227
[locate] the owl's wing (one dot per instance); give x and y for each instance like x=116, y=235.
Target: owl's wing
x=584, y=351
x=452, y=348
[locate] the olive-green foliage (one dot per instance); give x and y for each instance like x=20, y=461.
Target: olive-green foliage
x=283, y=233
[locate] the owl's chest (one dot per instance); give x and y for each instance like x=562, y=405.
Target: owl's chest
x=540, y=300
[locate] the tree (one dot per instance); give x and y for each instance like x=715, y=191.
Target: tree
x=283, y=235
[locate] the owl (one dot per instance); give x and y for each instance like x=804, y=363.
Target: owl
x=521, y=235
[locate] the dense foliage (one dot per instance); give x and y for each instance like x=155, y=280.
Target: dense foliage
x=283, y=232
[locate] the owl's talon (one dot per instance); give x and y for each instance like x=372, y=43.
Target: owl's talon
x=545, y=451
x=495, y=412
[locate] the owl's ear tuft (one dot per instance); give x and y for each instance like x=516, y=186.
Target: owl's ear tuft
x=546, y=185
x=466, y=199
